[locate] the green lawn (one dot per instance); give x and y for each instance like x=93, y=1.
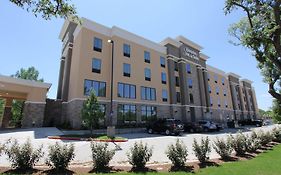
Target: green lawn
x=268, y=163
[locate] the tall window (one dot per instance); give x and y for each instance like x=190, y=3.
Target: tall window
x=188, y=68
x=163, y=78
x=98, y=87
x=126, y=114
x=189, y=82
x=216, y=78
x=126, y=70
x=219, y=102
x=162, y=61
x=225, y=103
x=148, y=113
x=96, y=65
x=126, y=90
x=210, y=89
x=224, y=92
x=147, y=74
x=211, y=101
x=126, y=50
x=164, y=95
x=97, y=44
x=146, y=56
x=191, y=98
x=176, y=66
x=217, y=90
x=208, y=76
x=148, y=93
x=177, y=81
x=222, y=81
x=178, y=97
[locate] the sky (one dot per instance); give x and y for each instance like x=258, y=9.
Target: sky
x=29, y=41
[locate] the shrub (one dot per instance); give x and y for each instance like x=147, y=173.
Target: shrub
x=201, y=150
x=60, y=156
x=276, y=134
x=177, y=153
x=252, y=142
x=239, y=143
x=139, y=154
x=23, y=157
x=101, y=155
x=223, y=147
x=265, y=137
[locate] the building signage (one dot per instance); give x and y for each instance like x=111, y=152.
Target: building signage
x=190, y=53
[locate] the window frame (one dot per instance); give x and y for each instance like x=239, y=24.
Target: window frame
x=97, y=47
x=126, y=74
x=126, y=50
x=95, y=70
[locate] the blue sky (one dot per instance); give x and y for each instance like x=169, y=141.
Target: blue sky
x=30, y=41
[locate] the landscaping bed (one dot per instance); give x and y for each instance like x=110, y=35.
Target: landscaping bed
x=89, y=137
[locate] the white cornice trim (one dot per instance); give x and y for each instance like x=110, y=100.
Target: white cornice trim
x=63, y=29
x=203, y=56
x=188, y=42
x=233, y=74
x=171, y=41
x=18, y=81
x=215, y=70
x=247, y=81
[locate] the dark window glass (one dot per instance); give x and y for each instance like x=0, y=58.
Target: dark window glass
x=148, y=113
x=224, y=92
x=188, y=68
x=210, y=89
x=126, y=90
x=148, y=93
x=189, y=80
x=219, y=103
x=191, y=98
x=178, y=97
x=222, y=81
x=163, y=78
x=126, y=114
x=162, y=61
x=126, y=70
x=216, y=78
x=164, y=95
x=153, y=94
x=97, y=44
x=147, y=74
x=208, y=75
x=176, y=66
x=96, y=65
x=143, y=93
x=177, y=81
x=211, y=101
x=217, y=90
x=126, y=50
x=98, y=87
x=146, y=56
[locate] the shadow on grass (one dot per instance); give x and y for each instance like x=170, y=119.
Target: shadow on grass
x=229, y=159
x=246, y=156
x=106, y=170
x=208, y=164
x=141, y=170
x=21, y=171
x=59, y=172
x=184, y=169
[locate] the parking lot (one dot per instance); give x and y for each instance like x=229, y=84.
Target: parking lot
x=83, y=152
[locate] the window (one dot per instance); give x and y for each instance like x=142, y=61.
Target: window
x=126, y=90
x=126, y=114
x=211, y=101
x=176, y=66
x=146, y=56
x=178, y=97
x=147, y=74
x=224, y=92
x=210, y=89
x=189, y=82
x=222, y=81
x=208, y=76
x=163, y=78
x=188, y=68
x=148, y=113
x=225, y=103
x=177, y=81
x=98, y=87
x=148, y=93
x=162, y=61
x=217, y=90
x=216, y=78
x=126, y=70
x=126, y=50
x=97, y=44
x=96, y=65
x=191, y=98
x=219, y=102
x=164, y=95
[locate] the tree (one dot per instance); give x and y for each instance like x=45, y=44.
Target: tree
x=48, y=8
x=2, y=103
x=260, y=31
x=17, y=106
x=91, y=113
x=276, y=110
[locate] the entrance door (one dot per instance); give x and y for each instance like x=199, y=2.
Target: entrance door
x=192, y=113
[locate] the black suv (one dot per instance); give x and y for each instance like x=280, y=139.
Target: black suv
x=256, y=122
x=167, y=126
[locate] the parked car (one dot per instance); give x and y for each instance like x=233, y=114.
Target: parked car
x=167, y=126
x=192, y=127
x=256, y=122
x=219, y=126
x=208, y=125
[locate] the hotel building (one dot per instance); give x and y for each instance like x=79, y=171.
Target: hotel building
x=170, y=79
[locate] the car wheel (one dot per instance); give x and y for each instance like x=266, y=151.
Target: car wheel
x=191, y=130
x=167, y=132
x=150, y=131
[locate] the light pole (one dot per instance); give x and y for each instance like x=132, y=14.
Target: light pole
x=110, y=126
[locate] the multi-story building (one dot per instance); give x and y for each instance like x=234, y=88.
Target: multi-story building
x=150, y=80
